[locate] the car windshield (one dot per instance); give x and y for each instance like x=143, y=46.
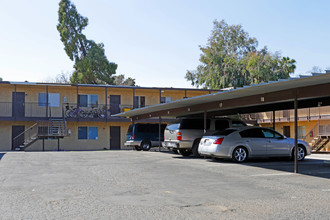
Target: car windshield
x=224, y=132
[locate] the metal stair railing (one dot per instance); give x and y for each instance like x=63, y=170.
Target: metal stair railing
x=321, y=143
x=27, y=137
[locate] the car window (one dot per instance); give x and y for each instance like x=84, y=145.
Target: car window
x=150, y=128
x=270, y=134
x=237, y=124
x=194, y=124
x=130, y=129
x=173, y=127
x=224, y=132
x=252, y=133
x=221, y=124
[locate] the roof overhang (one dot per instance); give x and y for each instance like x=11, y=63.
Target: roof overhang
x=278, y=95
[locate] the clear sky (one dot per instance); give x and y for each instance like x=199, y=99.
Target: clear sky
x=156, y=42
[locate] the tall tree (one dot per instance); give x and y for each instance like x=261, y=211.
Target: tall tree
x=231, y=59
x=91, y=64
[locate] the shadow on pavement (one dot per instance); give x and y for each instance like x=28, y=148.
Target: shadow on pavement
x=309, y=166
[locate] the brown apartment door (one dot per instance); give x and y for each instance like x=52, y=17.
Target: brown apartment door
x=286, y=131
x=114, y=137
x=114, y=104
x=18, y=106
x=15, y=131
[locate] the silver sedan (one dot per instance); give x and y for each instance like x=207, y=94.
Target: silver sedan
x=242, y=143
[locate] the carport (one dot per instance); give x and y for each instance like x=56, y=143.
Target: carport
x=292, y=93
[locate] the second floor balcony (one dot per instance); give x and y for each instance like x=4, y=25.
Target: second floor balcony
x=70, y=111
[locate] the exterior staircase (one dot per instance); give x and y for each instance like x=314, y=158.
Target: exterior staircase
x=54, y=128
x=321, y=142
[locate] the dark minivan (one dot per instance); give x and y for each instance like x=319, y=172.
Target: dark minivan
x=144, y=136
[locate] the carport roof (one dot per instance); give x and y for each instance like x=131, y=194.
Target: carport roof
x=274, y=95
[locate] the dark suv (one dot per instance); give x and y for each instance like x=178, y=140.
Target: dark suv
x=185, y=135
x=144, y=136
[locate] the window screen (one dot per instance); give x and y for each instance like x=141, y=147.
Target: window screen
x=165, y=99
x=82, y=100
x=90, y=133
x=53, y=99
x=88, y=100
x=82, y=133
x=42, y=99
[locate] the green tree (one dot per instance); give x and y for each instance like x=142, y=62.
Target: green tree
x=0, y=79
x=91, y=64
x=121, y=81
x=231, y=59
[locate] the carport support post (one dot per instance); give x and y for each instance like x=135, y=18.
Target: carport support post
x=43, y=144
x=58, y=144
x=205, y=121
x=296, y=134
x=273, y=120
x=159, y=133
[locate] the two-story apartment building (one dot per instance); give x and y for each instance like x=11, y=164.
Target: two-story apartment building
x=45, y=116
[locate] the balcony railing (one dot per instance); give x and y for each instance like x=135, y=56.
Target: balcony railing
x=28, y=110
x=68, y=110
x=288, y=115
x=99, y=111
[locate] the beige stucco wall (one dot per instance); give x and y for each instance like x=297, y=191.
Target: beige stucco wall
x=72, y=143
x=6, y=132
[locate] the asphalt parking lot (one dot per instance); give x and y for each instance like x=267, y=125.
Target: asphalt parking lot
x=159, y=185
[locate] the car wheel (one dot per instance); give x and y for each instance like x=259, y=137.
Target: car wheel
x=301, y=153
x=195, y=148
x=185, y=152
x=146, y=145
x=138, y=148
x=240, y=154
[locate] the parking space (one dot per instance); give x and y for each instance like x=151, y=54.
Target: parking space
x=159, y=185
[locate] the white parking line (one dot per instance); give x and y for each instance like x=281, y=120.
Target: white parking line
x=274, y=174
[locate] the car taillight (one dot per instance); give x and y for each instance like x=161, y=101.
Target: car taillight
x=218, y=141
x=133, y=137
x=178, y=136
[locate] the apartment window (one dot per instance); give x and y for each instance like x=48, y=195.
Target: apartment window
x=53, y=99
x=165, y=99
x=87, y=133
x=324, y=130
x=88, y=100
x=286, y=113
x=301, y=132
x=139, y=101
